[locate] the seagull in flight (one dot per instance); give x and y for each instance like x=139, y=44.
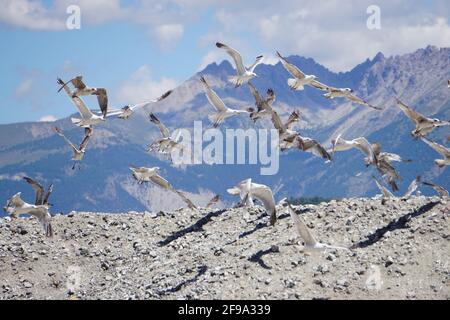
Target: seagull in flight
x=125, y=112
x=143, y=174
x=88, y=118
x=243, y=74
x=263, y=106
x=386, y=194
x=213, y=201
x=16, y=207
x=361, y=143
x=78, y=152
x=41, y=195
x=440, y=190
x=300, y=79
x=383, y=164
x=445, y=152
x=423, y=124
x=349, y=95
x=223, y=112
x=309, y=240
x=167, y=143
x=247, y=190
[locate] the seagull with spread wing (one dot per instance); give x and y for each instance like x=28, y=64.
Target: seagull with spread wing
x=439, y=189
x=16, y=207
x=143, y=174
x=445, y=152
x=361, y=143
x=386, y=194
x=168, y=142
x=309, y=240
x=424, y=125
x=248, y=190
x=243, y=74
x=88, y=118
x=223, y=112
x=126, y=112
x=263, y=106
x=78, y=152
x=300, y=79
x=41, y=195
x=349, y=95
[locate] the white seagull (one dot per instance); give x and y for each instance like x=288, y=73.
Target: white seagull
x=423, y=124
x=78, y=152
x=125, y=112
x=247, y=190
x=445, y=152
x=167, y=143
x=223, y=112
x=143, y=174
x=243, y=74
x=16, y=207
x=361, y=143
x=386, y=194
x=300, y=79
x=88, y=118
x=309, y=240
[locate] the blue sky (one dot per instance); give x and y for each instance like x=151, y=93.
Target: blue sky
x=138, y=49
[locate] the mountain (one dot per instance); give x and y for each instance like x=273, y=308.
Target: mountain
x=104, y=183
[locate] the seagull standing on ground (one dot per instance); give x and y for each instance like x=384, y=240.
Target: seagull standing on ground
x=88, y=118
x=125, y=112
x=247, y=190
x=142, y=174
x=423, y=124
x=243, y=74
x=223, y=112
x=16, y=207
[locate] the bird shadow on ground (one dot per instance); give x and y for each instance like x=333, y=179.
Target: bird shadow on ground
x=400, y=223
x=257, y=257
x=201, y=271
x=196, y=227
x=261, y=225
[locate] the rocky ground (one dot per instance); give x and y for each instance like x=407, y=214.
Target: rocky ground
x=402, y=251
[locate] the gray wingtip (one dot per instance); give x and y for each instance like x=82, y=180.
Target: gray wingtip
x=219, y=45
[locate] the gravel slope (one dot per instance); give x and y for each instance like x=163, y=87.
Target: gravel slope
x=403, y=252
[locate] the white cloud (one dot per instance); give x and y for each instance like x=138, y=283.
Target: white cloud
x=29, y=14
x=141, y=87
x=48, y=118
x=169, y=34
x=24, y=88
x=210, y=57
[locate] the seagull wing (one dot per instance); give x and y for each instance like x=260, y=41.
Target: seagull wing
x=292, y=120
x=235, y=55
x=311, y=145
x=213, y=201
x=38, y=189
x=410, y=113
x=277, y=123
x=164, y=131
x=318, y=85
x=143, y=104
x=212, y=96
x=360, y=101
x=270, y=98
x=363, y=145
x=258, y=99
x=49, y=192
x=160, y=181
x=82, y=108
x=302, y=229
x=437, y=147
x=41, y=213
x=16, y=200
x=78, y=83
x=265, y=195
x=412, y=187
x=102, y=98
x=384, y=190
x=61, y=134
x=296, y=72
x=87, y=137
x=441, y=190
x=259, y=60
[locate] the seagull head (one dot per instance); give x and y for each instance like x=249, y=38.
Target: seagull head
x=348, y=90
x=440, y=163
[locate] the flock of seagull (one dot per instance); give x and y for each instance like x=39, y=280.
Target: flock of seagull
x=247, y=190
